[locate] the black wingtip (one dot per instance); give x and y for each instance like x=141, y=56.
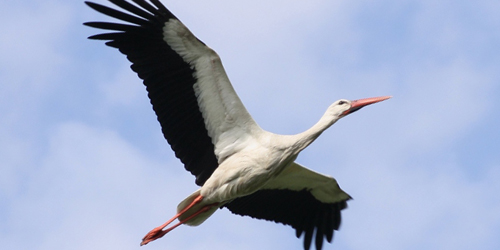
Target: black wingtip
x=319, y=240
x=298, y=233
x=308, y=239
x=94, y=6
x=160, y=6
x=105, y=36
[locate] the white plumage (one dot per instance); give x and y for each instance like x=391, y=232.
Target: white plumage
x=237, y=164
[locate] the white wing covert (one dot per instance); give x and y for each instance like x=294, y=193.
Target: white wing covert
x=225, y=116
x=200, y=114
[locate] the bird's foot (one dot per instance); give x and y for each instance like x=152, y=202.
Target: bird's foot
x=154, y=235
x=158, y=232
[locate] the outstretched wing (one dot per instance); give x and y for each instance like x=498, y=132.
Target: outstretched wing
x=198, y=109
x=308, y=201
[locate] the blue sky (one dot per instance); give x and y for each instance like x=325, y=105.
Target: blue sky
x=83, y=164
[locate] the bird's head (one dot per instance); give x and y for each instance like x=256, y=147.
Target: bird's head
x=344, y=107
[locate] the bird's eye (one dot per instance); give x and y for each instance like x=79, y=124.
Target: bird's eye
x=342, y=102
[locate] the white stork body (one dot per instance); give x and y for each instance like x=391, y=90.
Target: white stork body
x=237, y=164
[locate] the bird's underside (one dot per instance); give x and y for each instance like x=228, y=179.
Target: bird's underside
x=207, y=127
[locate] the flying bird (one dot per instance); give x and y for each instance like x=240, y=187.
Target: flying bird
x=238, y=165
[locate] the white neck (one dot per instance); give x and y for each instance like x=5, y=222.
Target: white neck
x=302, y=140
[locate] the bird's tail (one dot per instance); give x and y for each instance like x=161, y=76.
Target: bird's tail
x=199, y=218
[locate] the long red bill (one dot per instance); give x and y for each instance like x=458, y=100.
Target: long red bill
x=358, y=104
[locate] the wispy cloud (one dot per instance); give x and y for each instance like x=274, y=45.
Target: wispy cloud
x=84, y=164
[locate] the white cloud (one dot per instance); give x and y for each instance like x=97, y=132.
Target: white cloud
x=30, y=54
x=411, y=207
x=83, y=189
x=29, y=59
x=95, y=183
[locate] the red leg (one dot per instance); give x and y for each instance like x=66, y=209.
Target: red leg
x=158, y=232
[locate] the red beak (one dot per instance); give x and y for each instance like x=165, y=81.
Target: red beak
x=358, y=104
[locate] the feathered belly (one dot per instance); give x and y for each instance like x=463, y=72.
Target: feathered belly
x=242, y=175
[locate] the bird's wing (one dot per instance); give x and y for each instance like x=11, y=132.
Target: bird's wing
x=200, y=114
x=299, y=197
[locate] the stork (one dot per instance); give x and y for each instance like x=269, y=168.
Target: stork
x=238, y=165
